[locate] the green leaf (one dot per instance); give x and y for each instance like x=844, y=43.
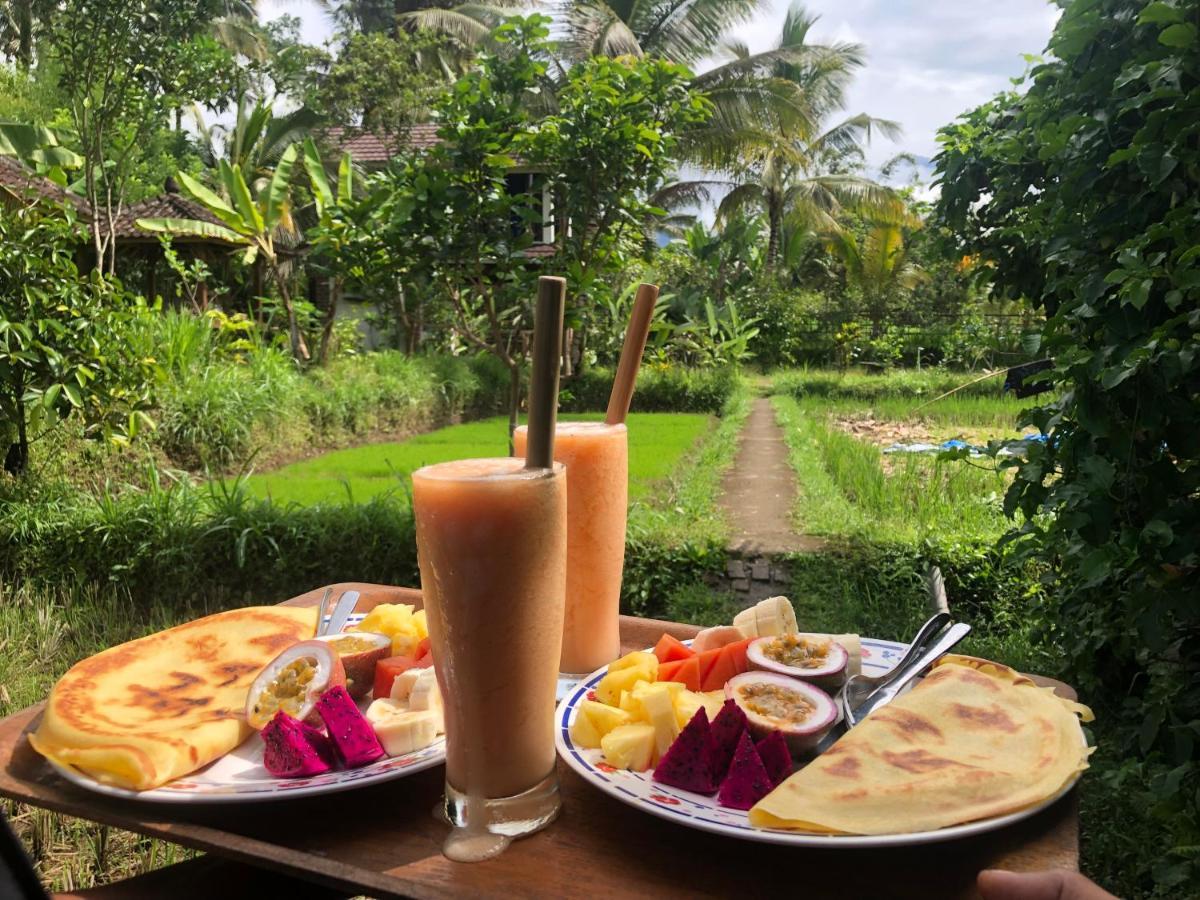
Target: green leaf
x=345, y=179
x=1159, y=14
x=316, y=176
x=235, y=184
x=210, y=201
x=192, y=227
x=280, y=188
x=1180, y=35
x=73, y=395
x=51, y=396
x=1158, y=533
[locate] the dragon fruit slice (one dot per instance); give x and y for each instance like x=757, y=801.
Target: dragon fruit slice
x=726, y=730
x=352, y=735
x=687, y=763
x=294, y=749
x=747, y=781
x=773, y=751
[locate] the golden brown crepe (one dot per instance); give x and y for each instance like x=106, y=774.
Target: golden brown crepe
x=973, y=740
x=143, y=713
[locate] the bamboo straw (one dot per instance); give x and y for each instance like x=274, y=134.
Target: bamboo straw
x=631, y=354
x=543, y=380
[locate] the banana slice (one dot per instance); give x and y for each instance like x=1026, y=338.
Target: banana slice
x=402, y=685
x=772, y=616
x=425, y=694
x=401, y=730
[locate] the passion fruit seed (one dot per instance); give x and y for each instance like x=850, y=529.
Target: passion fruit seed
x=287, y=689
x=776, y=702
x=350, y=644
x=798, y=651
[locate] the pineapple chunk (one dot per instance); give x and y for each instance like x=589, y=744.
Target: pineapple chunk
x=610, y=686
x=686, y=705
x=583, y=732
x=629, y=746
x=603, y=718
x=630, y=704
x=673, y=687
x=419, y=623
x=660, y=711
x=404, y=643
x=637, y=660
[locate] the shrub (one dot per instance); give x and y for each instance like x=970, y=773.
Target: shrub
x=660, y=388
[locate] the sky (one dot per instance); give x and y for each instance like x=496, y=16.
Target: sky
x=927, y=61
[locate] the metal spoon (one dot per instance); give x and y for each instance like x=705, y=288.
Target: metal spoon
x=322, y=611
x=341, y=612
x=890, y=691
x=858, y=687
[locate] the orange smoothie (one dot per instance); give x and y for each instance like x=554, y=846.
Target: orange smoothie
x=597, y=459
x=491, y=542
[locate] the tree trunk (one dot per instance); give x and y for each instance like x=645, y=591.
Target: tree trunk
x=299, y=346
x=17, y=458
x=330, y=316
x=258, y=287
x=775, y=227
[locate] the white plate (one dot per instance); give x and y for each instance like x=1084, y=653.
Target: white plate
x=702, y=812
x=239, y=776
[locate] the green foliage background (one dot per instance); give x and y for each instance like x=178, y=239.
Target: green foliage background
x=1083, y=195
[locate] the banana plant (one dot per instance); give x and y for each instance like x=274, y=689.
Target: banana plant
x=252, y=223
x=335, y=237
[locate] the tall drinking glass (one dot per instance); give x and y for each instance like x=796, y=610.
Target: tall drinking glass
x=597, y=459
x=491, y=542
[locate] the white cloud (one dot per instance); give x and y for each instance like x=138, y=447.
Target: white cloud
x=927, y=62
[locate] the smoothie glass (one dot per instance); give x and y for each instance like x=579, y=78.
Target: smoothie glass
x=491, y=542
x=597, y=459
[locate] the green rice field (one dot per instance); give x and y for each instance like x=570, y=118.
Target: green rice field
x=657, y=441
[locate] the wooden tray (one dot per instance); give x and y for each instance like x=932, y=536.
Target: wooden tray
x=386, y=842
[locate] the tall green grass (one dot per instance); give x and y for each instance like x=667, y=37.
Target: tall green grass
x=907, y=383
x=845, y=490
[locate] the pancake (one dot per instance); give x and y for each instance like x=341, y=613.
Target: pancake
x=143, y=713
x=973, y=740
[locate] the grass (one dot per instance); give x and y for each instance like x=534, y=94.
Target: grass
x=845, y=489
x=657, y=441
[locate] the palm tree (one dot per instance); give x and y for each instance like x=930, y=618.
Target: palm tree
x=19, y=23
x=756, y=96
x=796, y=175
x=879, y=266
x=256, y=140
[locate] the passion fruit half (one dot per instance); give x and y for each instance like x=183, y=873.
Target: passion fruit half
x=802, y=713
x=816, y=658
x=359, y=652
x=293, y=681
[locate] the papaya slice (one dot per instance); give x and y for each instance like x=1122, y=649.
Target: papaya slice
x=724, y=668
x=669, y=649
x=737, y=655
x=707, y=660
x=669, y=670
x=689, y=673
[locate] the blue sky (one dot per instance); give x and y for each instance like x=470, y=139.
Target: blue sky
x=926, y=61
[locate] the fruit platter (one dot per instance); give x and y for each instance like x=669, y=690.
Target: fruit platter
x=723, y=733
x=328, y=712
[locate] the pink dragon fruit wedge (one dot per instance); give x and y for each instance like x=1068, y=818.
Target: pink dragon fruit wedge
x=727, y=729
x=687, y=763
x=775, y=756
x=352, y=735
x=747, y=781
x=294, y=749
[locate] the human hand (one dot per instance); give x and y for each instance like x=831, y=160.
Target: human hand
x=1056, y=884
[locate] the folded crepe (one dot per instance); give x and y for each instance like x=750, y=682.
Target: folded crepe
x=146, y=712
x=973, y=740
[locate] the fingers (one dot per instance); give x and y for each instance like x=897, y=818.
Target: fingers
x=995, y=884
